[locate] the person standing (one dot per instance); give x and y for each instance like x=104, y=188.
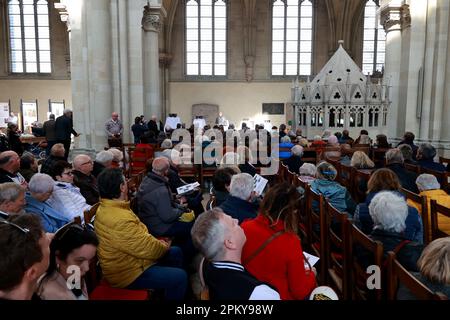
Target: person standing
x=221, y=120
x=12, y=118
x=114, y=130
x=50, y=133
x=64, y=130
x=154, y=126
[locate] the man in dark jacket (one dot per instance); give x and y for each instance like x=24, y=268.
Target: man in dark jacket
x=56, y=154
x=83, y=178
x=9, y=168
x=162, y=215
x=425, y=157
x=50, y=133
x=408, y=138
x=154, y=126
x=64, y=130
x=394, y=161
x=239, y=204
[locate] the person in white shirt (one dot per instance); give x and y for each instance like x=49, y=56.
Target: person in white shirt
x=66, y=197
x=220, y=239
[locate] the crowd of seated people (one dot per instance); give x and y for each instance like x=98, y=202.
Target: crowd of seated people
x=249, y=243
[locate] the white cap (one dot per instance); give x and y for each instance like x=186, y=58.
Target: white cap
x=323, y=293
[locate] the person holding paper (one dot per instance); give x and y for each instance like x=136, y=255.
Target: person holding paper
x=280, y=262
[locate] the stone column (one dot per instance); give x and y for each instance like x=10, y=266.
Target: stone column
x=390, y=18
x=151, y=26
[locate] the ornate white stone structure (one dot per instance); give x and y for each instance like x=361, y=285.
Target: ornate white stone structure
x=340, y=97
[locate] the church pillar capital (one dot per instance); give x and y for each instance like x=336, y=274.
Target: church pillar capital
x=63, y=14
x=152, y=18
x=395, y=16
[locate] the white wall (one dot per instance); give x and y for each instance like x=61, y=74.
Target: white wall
x=237, y=100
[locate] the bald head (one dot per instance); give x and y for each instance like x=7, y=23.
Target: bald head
x=83, y=163
x=115, y=115
x=160, y=166
x=154, y=118
x=10, y=161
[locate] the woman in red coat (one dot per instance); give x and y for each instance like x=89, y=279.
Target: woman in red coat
x=281, y=262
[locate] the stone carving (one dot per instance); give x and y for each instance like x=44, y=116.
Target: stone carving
x=151, y=21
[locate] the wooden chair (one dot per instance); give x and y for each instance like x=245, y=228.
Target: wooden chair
x=362, y=147
x=359, y=245
x=337, y=164
x=360, y=177
x=336, y=241
x=412, y=167
x=378, y=156
x=188, y=171
x=444, y=161
x=397, y=274
x=309, y=155
x=206, y=172
x=316, y=225
x=138, y=159
x=436, y=210
x=345, y=177
x=90, y=214
x=421, y=202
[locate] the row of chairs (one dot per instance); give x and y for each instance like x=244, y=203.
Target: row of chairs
x=331, y=235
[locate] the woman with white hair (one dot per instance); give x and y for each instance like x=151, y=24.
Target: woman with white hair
x=389, y=211
x=294, y=162
x=308, y=172
x=336, y=194
x=103, y=160
x=430, y=188
x=40, y=190
x=285, y=143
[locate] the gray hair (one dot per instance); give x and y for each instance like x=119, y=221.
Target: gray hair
x=394, y=156
x=317, y=138
x=104, y=157
x=297, y=150
x=208, y=234
x=406, y=151
x=285, y=139
x=308, y=169
x=364, y=139
x=426, y=182
x=10, y=192
x=67, y=111
x=41, y=183
x=427, y=151
x=326, y=134
x=166, y=144
x=241, y=186
x=388, y=212
x=117, y=154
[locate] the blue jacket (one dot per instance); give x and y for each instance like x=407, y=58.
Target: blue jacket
x=50, y=218
x=239, y=209
x=285, y=154
x=414, y=228
x=430, y=164
x=336, y=194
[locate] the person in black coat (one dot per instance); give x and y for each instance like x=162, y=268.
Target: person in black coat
x=394, y=161
x=294, y=162
x=14, y=139
x=153, y=125
x=64, y=130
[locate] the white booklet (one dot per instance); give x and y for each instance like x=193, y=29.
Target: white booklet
x=259, y=184
x=311, y=259
x=187, y=188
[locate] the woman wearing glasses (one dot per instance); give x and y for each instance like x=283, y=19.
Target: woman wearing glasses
x=66, y=197
x=71, y=251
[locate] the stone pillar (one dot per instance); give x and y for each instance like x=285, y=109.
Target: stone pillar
x=151, y=26
x=90, y=48
x=390, y=18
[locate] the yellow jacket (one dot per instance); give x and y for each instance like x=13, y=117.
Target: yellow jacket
x=443, y=199
x=126, y=249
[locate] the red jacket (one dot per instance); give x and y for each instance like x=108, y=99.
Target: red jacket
x=280, y=263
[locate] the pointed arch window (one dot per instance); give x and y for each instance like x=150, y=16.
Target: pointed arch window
x=292, y=35
x=206, y=37
x=374, y=40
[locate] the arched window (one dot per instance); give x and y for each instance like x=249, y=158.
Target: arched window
x=29, y=36
x=206, y=37
x=374, y=40
x=292, y=22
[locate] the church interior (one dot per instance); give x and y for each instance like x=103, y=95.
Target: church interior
x=352, y=96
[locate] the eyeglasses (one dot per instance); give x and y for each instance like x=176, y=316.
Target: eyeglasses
x=68, y=173
x=88, y=162
x=24, y=230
